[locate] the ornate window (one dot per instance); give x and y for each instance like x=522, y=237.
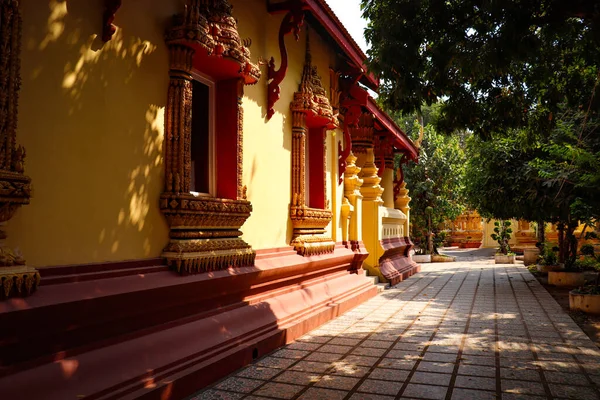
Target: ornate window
x=312, y=115
x=202, y=144
x=204, y=201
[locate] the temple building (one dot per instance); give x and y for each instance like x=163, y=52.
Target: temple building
x=186, y=185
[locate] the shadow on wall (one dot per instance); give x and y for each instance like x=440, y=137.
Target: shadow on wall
x=92, y=121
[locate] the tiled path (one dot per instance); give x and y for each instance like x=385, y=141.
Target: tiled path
x=464, y=330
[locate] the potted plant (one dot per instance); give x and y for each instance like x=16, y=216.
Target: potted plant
x=532, y=254
x=587, y=298
x=548, y=259
x=421, y=256
x=571, y=275
x=501, y=234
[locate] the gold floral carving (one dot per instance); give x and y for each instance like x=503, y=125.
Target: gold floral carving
x=310, y=107
x=312, y=245
x=204, y=229
x=311, y=98
x=15, y=187
x=352, y=184
x=370, y=189
x=210, y=25
x=362, y=133
x=18, y=281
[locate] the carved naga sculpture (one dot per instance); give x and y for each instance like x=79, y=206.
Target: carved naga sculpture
x=292, y=22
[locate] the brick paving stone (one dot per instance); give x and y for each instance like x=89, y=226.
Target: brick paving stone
x=297, y=377
x=323, y=357
x=323, y=394
x=475, y=382
x=380, y=387
x=337, y=382
x=476, y=370
x=574, y=392
x=495, y=321
x=462, y=394
x=425, y=392
x=522, y=387
x=258, y=372
x=278, y=390
x=212, y=394
x=370, y=396
x=240, y=385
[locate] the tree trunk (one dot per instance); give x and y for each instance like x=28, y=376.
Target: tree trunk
x=541, y=232
x=560, y=227
x=572, y=243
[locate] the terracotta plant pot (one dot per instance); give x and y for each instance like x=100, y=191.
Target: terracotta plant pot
x=566, y=279
x=547, y=268
x=502, y=259
x=530, y=255
x=423, y=258
x=588, y=303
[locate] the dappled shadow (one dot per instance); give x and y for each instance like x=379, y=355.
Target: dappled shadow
x=475, y=331
x=92, y=121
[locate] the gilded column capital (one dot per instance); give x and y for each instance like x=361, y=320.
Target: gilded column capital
x=370, y=189
x=352, y=181
x=403, y=199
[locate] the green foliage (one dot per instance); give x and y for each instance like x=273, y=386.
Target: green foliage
x=586, y=263
x=587, y=250
x=553, y=177
x=436, y=181
x=548, y=256
x=502, y=231
x=496, y=65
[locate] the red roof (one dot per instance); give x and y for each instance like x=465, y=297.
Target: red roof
x=401, y=141
x=325, y=15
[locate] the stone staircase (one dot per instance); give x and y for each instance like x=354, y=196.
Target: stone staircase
x=381, y=286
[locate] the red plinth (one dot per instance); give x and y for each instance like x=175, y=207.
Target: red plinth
x=158, y=335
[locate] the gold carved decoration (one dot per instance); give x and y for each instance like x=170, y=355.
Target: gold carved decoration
x=370, y=189
x=18, y=280
x=15, y=187
x=311, y=98
x=204, y=229
x=210, y=25
x=362, y=133
x=310, y=109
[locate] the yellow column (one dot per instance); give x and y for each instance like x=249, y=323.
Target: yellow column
x=352, y=184
x=387, y=181
x=371, y=219
x=402, y=205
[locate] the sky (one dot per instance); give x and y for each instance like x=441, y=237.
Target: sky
x=348, y=11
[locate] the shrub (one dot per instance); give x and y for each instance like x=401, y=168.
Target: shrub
x=501, y=234
x=548, y=257
x=587, y=250
x=587, y=263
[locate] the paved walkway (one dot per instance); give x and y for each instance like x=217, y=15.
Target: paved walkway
x=463, y=330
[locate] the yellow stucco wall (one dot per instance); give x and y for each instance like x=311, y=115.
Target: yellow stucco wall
x=92, y=121
x=268, y=144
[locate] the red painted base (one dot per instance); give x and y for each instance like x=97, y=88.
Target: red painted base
x=161, y=336
x=396, y=265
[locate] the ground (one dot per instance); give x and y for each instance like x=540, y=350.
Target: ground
x=463, y=330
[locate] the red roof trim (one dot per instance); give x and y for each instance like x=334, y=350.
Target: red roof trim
x=325, y=15
x=401, y=141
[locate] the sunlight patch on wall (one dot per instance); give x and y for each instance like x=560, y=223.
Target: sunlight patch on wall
x=56, y=23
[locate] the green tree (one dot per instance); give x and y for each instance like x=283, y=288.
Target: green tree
x=552, y=177
x=435, y=182
x=496, y=65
